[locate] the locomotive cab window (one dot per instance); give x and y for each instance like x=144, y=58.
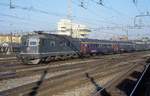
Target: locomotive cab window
x=33, y=42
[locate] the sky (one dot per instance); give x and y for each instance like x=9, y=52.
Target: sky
x=29, y=15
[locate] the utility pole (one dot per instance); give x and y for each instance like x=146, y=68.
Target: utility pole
x=69, y=15
x=125, y=28
x=10, y=5
x=127, y=34
x=140, y=16
x=11, y=49
x=10, y=36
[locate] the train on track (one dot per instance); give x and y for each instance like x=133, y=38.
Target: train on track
x=39, y=47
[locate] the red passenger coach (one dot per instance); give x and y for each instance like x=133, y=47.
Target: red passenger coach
x=115, y=48
x=88, y=48
x=84, y=48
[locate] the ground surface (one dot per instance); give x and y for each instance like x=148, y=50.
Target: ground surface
x=76, y=77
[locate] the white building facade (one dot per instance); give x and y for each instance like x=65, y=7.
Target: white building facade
x=66, y=27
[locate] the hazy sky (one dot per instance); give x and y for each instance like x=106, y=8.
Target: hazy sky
x=29, y=15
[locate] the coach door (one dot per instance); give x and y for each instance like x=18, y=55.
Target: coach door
x=84, y=48
x=115, y=47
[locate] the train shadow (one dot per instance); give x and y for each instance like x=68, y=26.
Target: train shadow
x=127, y=85
x=124, y=88
x=38, y=84
x=97, y=86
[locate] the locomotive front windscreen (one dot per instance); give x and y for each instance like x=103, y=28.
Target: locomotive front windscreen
x=33, y=41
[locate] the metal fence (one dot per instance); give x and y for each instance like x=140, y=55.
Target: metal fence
x=7, y=48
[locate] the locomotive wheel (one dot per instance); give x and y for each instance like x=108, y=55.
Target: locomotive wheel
x=35, y=61
x=48, y=59
x=24, y=61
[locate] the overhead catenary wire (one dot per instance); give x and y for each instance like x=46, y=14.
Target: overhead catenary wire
x=19, y=18
x=12, y=16
x=34, y=10
x=96, y=21
x=28, y=9
x=41, y=11
x=24, y=8
x=15, y=17
x=101, y=3
x=95, y=14
x=135, y=3
x=22, y=23
x=83, y=4
x=26, y=21
x=60, y=15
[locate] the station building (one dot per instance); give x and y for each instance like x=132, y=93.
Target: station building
x=9, y=43
x=10, y=38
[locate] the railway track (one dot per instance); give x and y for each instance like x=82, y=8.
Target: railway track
x=111, y=87
x=50, y=80
x=81, y=80
x=26, y=70
x=11, y=65
x=51, y=69
x=72, y=74
x=66, y=77
x=142, y=85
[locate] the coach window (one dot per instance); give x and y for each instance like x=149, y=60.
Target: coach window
x=96, y=45
x=52, y=43
x=99, y=45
